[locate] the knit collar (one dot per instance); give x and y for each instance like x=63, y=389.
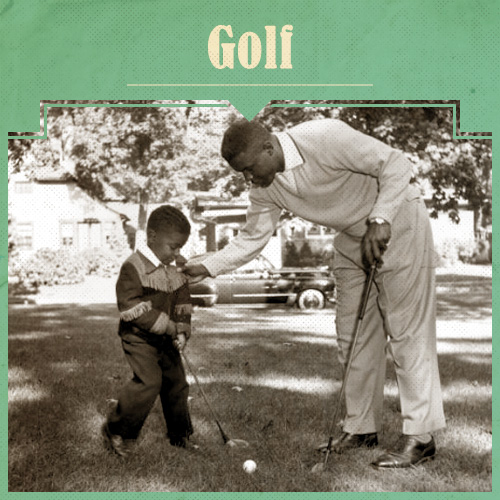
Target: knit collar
x=291, y=154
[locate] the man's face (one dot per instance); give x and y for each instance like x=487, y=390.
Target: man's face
x=166, y=244
x=258, y=164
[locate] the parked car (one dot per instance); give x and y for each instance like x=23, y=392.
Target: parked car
x=260, y=282
x=204, y=294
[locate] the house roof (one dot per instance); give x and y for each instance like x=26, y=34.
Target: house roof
x=58, y=174
x=51, y=174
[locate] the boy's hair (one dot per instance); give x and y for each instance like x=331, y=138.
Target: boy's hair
x=171, y=217
x=240, y=135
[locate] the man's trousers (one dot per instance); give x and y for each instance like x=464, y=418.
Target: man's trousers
x=400, y=319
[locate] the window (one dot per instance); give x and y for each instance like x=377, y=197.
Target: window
x=23, y=187
x=24, y=235
x=89, y=234
x=67, y=231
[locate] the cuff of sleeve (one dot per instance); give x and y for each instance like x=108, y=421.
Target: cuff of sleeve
x=185, y=329
x=212, y=267
x=161, y=324
x=380, y=214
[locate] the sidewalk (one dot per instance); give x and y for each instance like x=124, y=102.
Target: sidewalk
x=94, y=290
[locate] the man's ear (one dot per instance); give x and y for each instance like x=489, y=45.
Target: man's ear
x=151, y=235
x=268, y=147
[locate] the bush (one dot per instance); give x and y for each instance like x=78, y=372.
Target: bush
x=49, y=267
x=102, y=262
x=452, y=250
x=64, y=267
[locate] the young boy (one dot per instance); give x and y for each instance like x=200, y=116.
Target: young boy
x=155, y=323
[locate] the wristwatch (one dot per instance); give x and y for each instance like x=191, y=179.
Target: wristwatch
x=377, y=220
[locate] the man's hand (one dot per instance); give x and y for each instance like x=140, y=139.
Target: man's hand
x=375, y=242
x=180, y=342
x=196, y=272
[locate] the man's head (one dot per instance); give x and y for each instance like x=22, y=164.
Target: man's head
x=252, y=150
x=167, y=232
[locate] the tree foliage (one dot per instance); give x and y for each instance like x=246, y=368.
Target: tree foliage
x=163, y=154
x=148, y=154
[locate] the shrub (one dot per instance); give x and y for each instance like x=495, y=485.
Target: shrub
x=102, y=262
x=452, y=250
x=49, y=267
x=63, y=267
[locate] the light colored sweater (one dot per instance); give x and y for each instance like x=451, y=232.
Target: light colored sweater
x=345, y=178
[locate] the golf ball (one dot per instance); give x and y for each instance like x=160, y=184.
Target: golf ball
x=249, y=466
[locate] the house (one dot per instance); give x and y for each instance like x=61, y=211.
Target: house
x=49, y=210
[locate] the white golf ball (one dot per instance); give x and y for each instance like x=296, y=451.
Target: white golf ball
x=249, y=466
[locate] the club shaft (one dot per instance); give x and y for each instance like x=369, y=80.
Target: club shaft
x=359, y=323
x=212, y=411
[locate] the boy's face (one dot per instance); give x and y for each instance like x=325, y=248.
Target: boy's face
x=166, y=243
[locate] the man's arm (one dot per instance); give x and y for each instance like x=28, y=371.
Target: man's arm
x=262, y=217
x=364, y=154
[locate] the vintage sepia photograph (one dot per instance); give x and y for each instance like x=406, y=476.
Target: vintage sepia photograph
x=301, y=302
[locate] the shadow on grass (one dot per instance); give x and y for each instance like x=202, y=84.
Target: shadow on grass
x=464, y=297
x=65, y=362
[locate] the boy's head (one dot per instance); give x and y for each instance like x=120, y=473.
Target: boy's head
x=167, y=232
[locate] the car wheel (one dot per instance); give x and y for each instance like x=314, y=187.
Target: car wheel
x=311, y=299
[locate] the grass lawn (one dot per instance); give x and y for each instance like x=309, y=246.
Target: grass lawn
x=272, y=376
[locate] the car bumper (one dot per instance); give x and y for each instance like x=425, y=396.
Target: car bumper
x=204, y=300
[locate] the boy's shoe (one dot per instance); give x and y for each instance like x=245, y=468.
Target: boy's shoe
x=116, y=443
x=184, y=443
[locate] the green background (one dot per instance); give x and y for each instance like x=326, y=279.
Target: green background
x=91, y=50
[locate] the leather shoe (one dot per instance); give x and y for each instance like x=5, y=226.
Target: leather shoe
x=408, y=452
x=184, y=443
x=116, y=443
x=350, y=441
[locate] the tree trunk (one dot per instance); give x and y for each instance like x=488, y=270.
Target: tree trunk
x=143, y=211
x=140, y=235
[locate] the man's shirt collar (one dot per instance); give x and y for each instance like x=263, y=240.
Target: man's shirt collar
x=291, y=154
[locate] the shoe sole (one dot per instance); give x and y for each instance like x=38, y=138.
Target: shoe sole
x=421, y=461
x=322, y=449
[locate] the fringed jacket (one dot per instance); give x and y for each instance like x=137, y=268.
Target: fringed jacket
x=151, y=298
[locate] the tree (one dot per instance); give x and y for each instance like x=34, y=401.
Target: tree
x=306, y=255
x=292, y=258
x=148, y=154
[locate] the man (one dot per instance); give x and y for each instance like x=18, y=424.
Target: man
x=330, y=174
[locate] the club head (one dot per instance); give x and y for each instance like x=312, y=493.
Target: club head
x=318, y=468
x=237, y=443
x=322, y=448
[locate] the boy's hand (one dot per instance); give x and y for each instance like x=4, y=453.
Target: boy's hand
x=180, y=342
x=171, y=329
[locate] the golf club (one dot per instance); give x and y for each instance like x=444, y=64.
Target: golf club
x=319, y=467
x=225, y=438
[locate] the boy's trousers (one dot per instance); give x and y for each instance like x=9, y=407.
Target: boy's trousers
x=158, y=370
